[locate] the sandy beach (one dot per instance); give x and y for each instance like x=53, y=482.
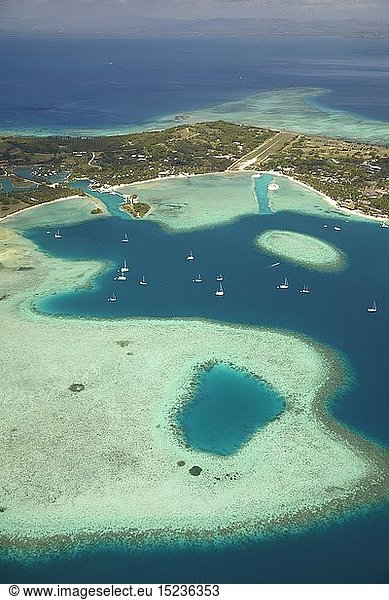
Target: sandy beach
x=83, y=199
x=356, y=214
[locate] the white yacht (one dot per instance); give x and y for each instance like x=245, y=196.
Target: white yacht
x=198, y=279
x=305, y=289
x=48, y=231
x=337, y=228
x=273, y=186
x=284, y=285
x=220, y=277
x=190, y=256
x=325, y=226
x=220, y=291
x=124, y=268
x=112, y=298
x=125, y=239
x=57, y=234
x=143, y=281
x=373, y=307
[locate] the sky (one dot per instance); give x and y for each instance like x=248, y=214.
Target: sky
x=109, y=14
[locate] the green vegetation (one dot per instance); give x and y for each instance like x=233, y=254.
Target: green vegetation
x=136, y=209
x=355, y=175
x=16, y=200
x=200, y=148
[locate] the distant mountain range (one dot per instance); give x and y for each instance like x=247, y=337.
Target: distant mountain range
x=144, y=27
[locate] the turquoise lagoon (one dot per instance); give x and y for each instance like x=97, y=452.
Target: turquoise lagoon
x=226, y=408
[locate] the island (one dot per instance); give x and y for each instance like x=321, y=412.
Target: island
x=135, y=207
x=355, y=175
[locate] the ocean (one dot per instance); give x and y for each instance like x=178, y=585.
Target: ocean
x=70, y=85
x=104, y=85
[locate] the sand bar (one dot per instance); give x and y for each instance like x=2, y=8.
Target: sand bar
x=306, y=250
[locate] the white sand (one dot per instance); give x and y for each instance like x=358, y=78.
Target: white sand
x=301, y=249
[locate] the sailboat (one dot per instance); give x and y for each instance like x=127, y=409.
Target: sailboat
x=121, y=277
x=220, y=277
x=112, y=298
x=198, y=279
x=284, y=285
x=373, y=308
x=57, y=234
x=125, y=239
x=190, y=256
x=143, y=281
x=305, y=290
x=124, y=268
x=337, y=228
x=220, y=291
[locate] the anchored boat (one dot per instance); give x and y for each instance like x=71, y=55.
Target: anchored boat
x=220, y=291
x=284, y=285
x=373, y=308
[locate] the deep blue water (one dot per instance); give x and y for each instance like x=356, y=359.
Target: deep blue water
x=334, y=312
x=107, y=84
x=225, y=410
x=344, y=552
